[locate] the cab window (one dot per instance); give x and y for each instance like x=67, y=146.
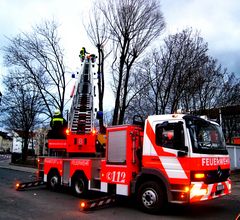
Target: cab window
x=170, y=135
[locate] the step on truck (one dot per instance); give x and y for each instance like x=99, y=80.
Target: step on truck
x=173, y=158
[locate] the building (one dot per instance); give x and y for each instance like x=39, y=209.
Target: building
x=18, y=141
x=5, y=142
x=41, y=141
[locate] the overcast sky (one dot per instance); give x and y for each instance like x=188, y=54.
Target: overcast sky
x=217, y=20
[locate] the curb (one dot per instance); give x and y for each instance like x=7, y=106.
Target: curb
x=19, y=168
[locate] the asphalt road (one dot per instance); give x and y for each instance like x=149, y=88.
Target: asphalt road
x=40, y=203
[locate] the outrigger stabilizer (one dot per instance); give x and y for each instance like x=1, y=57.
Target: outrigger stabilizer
x=102, y=202
x=22, y=186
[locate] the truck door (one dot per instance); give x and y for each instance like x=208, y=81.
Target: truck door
x=171, y=149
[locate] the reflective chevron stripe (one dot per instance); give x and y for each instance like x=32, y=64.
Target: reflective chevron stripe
x=21, y=186
x=86, y=205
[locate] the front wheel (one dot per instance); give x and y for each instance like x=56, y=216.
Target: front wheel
x=151, y=197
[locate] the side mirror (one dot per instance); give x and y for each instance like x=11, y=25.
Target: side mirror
x=182, y=153
x=184, y=148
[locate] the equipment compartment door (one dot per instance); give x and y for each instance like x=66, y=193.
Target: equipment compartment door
x=117, y=146
x=66, y=172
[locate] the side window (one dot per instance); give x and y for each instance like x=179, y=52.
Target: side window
x=170, y=135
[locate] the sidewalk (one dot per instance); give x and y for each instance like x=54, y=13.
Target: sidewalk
x=7, y=165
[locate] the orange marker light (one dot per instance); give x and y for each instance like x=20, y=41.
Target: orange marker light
x=186, y=189
x=67, y=131
x=17, y=185
x=93, y=131
x=199, y=175
x=82, y=204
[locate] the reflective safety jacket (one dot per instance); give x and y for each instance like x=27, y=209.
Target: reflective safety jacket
x=57, y=122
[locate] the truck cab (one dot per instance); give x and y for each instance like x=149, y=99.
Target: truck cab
x=187, y=157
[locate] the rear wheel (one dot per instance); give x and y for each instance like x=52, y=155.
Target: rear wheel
x=79, y=185
x=53, y=181
x=151, y=197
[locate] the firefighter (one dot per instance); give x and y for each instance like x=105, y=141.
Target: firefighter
x=83, y=53
x=58, y=125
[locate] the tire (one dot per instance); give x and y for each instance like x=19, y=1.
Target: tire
x=79, y=185
x=151, y=197
x=53, y=181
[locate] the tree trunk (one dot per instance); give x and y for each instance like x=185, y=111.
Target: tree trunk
x=25, y=148
x=117, y=100
x=101, y=85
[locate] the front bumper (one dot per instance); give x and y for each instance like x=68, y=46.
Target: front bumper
x=199, y=191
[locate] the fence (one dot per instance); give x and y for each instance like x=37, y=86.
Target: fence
x=234, y=153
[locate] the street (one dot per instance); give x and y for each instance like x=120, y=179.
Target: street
x=40, y=203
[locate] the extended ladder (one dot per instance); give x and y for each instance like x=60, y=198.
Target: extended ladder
x=81, y=113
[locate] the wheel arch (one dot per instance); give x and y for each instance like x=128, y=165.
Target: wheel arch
x=79, y=173
x=54, y=170
x=152, y=175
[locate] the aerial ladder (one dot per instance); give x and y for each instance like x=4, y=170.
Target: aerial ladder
x=81, y=112
x=82, y=138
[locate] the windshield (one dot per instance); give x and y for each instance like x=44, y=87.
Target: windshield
x=206, y=137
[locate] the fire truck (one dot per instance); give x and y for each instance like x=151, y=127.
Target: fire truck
x=173, y=158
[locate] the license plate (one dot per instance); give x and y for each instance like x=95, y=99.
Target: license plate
x=220, y=187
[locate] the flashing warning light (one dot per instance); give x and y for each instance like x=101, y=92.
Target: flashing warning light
x=199, y=175
x=67, y=131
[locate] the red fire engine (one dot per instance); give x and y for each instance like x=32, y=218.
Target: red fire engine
x=172, y=158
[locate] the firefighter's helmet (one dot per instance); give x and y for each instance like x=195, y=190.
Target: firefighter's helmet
x=57, y=112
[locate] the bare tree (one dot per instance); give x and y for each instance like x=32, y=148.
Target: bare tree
x=230, y=91
x=133, y=25
x=178, y=75
x=21, y=107
x=97, y=32
x=208, y=84
x=184, y=54
x=39, y=56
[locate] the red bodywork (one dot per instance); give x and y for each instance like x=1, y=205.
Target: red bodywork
x=75, y=143
x=124, y=163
